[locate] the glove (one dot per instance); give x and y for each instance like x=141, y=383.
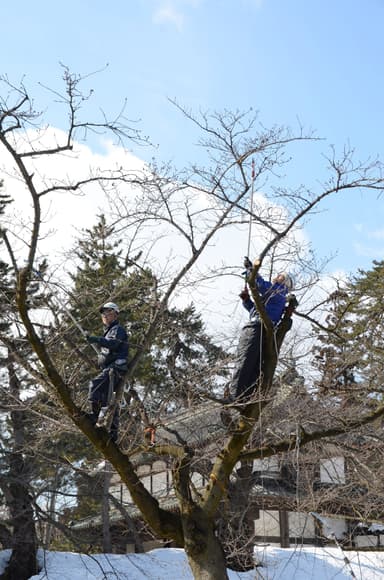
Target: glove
x=247, y=263
x=248, y=267
x=244, y=294
x=92, y=339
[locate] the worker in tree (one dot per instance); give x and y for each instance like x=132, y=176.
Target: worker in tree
x=249, y=364
x=112, y=361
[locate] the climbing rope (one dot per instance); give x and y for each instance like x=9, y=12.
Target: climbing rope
x=251, y=207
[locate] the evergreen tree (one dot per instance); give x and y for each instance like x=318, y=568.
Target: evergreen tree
x=18, y=531
x=351, y=365
x=350, y=353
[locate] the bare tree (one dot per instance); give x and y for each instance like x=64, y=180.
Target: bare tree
x=199, y=205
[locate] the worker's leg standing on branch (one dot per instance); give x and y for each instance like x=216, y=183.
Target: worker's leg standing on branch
x=112, y=360
x=248, y=363
x=118, y=378
x=100, y=394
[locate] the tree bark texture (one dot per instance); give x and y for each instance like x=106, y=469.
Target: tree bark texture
x=202, y=546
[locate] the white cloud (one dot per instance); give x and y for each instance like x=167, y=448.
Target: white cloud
x=367, y=247
x=168, y=13
x=173, y=12
x=376, y=234
x=63, y=213
x=366, y=251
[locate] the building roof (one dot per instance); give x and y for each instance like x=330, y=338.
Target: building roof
x=196, y=426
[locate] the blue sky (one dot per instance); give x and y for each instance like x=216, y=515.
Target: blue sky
x=319, y=61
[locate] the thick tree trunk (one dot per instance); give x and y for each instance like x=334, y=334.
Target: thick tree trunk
x=51, y=511
x=5, y=537
x=107, y=541
x=205, y=554
x=22, y=564
x=238, y=529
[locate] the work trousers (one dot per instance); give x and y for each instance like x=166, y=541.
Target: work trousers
x=100, y=393
x=249, y=362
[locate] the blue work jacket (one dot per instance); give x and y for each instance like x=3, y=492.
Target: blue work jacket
x=273, y=296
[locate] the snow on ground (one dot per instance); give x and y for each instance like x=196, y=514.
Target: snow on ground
x=171, y=564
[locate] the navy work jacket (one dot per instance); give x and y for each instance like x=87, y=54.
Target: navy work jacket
x=114, y=346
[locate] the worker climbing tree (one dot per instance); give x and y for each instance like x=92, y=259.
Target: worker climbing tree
x=113, y=360
x=250, y=355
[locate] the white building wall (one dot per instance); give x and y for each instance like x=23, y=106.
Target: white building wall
x=267, y=524
x=268, y=465
x=301, y=525
x=159, y=483
x=332, y=470
x=334, y=526
x=366, y=541
x=197, y=480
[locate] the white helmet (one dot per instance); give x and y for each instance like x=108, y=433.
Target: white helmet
x=288, y=280
x=109, y=306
